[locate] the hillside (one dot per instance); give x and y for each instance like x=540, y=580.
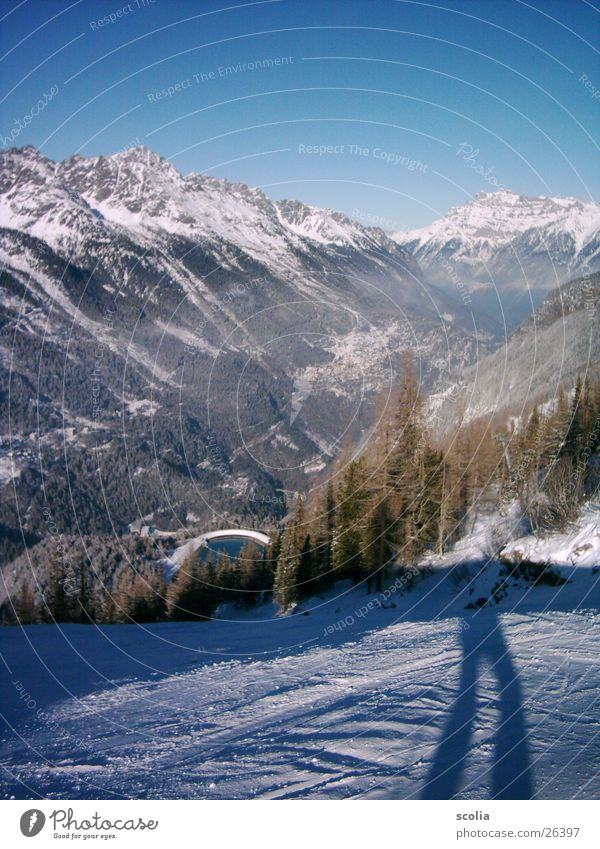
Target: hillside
x=558, y=343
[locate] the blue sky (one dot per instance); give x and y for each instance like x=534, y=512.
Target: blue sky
x=411, y=107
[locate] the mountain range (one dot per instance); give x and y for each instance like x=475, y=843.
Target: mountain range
x=181, y=346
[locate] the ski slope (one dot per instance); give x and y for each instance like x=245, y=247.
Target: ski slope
x=405, y=694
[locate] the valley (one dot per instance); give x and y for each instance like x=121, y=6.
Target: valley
x=207, y=338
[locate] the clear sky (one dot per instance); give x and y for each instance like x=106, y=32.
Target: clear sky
x=411, y=107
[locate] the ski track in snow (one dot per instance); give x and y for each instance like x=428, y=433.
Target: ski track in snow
x=398, y=704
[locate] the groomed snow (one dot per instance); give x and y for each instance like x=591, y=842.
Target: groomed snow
x=396, y=695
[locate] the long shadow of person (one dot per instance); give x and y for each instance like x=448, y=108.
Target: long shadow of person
x=483, y=640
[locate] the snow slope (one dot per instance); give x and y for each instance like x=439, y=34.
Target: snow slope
x=397, y=695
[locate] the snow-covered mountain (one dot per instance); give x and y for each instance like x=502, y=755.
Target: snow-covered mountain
x=142, y=193
x=193, y=309
x=503, y=251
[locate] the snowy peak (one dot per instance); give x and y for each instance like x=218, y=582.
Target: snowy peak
x=325, y=225
x=130, y=187
x=498, y=217
x=35, y=200
x=505, y=251
x=142, y=193
x=141, y=189
x=24, y=165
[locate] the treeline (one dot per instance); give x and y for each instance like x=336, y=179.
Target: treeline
x=68, y=578
x=552, y=465
x=382, y=508
x=104, y=580
x=165, y=487
x=386, y=505
x=201, y=585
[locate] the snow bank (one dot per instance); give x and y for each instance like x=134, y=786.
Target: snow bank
x=579, y=546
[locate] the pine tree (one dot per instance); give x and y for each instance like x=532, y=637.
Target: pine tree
x=573, y=437
x=380, y=525
x=25, y=608
x=121, y=594
x=187, y=596
x=146, y=602
x=348, y=554
x=57, y=605
x=287, y=591
x=86, y=611
x=250, y=568
x=379, y=537
x=307, y=585
x=227, y=579
x=270, y=558
x=429, y=501
x=446, y=519
x=405, y=461
x=324, y=526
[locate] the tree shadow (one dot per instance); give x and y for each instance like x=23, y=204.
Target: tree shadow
x=511, y=772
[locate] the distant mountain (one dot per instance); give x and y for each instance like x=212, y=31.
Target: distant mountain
x=506, y=251
x=184, y=348
x=558, y=343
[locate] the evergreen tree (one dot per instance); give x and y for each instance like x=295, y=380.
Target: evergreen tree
x=574, y=435
x=323, y=534
x=429, y=501
x=348, y=554
x=57, y=606
x=227, y=579
x=307, y=585
x=270, y=557
x=405, y=461
x=250, y=567
x=25, y=608
x=187, y=597
x=286, y=586
x=379, y=539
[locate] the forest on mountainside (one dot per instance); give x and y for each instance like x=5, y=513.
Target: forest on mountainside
x=379, y=511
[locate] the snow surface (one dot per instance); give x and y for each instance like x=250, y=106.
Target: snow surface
x=404, y=694
x=9, y=469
